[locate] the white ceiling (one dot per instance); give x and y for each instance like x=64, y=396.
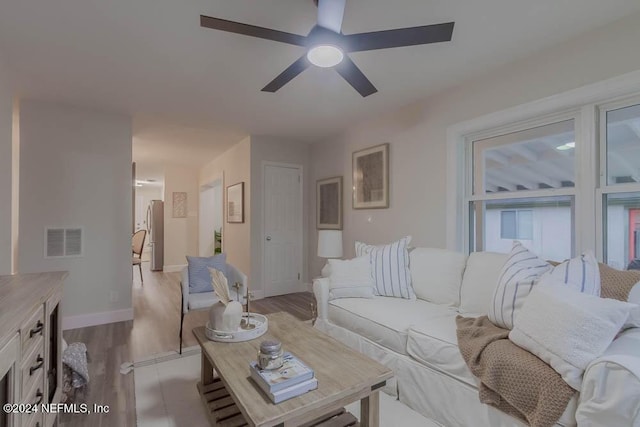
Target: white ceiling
x=150, y=58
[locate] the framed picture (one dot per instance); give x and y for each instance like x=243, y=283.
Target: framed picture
x=179, y=204
x=329, y=203
x=235, y=203
x=371, y=177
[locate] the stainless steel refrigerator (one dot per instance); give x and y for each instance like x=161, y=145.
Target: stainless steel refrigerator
x=155, y=222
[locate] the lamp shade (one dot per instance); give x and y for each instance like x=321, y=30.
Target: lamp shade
x=330, y=243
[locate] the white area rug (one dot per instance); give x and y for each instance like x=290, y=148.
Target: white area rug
x=166, y=396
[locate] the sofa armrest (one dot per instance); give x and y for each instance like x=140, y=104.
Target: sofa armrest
x=321, y=292
x=610, y=393
x=236, y=276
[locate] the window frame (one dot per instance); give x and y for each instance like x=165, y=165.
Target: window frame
x=621, y=90
x=603, y=187
x=470, y=172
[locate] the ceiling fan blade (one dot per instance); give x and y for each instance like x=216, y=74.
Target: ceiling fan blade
x=252, y=30
x=330, y=14
x=287, y=75
x=397, y=38
x=352, y=74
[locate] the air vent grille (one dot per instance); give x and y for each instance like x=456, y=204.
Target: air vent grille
x=63, y=242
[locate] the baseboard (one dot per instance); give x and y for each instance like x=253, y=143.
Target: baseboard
x=173, y=268
x=85, y=320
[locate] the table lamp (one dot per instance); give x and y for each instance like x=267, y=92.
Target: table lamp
x=329, y=246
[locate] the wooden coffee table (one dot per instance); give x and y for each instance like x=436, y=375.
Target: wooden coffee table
x=344, y=376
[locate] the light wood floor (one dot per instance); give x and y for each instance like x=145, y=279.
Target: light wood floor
x=154, y=330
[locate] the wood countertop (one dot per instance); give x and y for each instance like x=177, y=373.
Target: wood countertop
x=21, y=294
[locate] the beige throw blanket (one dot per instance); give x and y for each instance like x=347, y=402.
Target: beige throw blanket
x=511, y=379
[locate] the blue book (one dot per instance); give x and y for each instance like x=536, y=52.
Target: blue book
x=292, y=372
x=294, y=391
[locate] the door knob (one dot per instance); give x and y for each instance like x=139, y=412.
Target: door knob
x=268, y=238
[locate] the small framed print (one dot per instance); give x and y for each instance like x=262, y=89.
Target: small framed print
x=329, y=203
x=235, y=203
x=179, y=204
x=371, y=177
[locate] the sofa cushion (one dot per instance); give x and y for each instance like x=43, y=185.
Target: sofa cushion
x=436, y=274
x=580, y=273
x=202, y=300
x=478, y=282
x=518, y=276
x=568, y=329
x=435, y=344
x=351, y=278
x=390, y=267
x=384, y=320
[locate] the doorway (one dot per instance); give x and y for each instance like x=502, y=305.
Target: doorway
x=210, y=219
x=283, y=228
x=144, y=194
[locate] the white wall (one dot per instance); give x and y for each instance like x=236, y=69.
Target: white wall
x=5, y=171
x=76, y=171
x=270, y=149
x=417, y=134
x=180, y=234
x=234, y=166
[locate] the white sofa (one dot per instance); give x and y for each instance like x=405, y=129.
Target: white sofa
x=417, y=339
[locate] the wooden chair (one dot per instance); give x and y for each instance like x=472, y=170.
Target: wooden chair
x=137, y=245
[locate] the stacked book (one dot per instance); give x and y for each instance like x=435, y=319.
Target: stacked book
x=292, y=379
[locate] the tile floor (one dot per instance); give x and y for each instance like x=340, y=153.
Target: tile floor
x=166, y=396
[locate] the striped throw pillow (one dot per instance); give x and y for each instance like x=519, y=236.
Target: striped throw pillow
x=581, y=273
x=518, y=276
x=390, y=267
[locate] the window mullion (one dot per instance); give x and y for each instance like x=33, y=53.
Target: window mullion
x=586, y=178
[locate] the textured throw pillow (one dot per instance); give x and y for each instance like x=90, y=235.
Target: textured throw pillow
x=566, y=328
x=518, y=276
x=199, y=277
x=580, y=273
x=351, y=278
x=390, y=267
x=615, y=283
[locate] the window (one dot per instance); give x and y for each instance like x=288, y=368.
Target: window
x=620, y=184
x=523, y=188
x=574, y=167
x=516, y=224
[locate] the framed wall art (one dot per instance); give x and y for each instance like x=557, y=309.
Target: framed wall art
x=179, y=204
x=329, y=203
x=371, y=177
x=235, y=203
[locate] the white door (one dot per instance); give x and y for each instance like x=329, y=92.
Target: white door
x=282, y=247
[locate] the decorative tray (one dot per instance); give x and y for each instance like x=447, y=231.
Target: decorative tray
x=260, y=322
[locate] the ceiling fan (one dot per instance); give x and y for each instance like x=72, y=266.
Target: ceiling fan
x=328, y=47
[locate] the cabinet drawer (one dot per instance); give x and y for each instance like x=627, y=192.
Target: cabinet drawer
x=32, y=330
x=33, y=396
x=32, y=367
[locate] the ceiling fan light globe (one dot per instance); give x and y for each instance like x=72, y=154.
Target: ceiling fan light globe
x=325, y=56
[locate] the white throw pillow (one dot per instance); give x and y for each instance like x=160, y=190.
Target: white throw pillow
x=390, y=267
x=351, y=278
x=518, y=276
x=580, y=273
x=566, y=328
